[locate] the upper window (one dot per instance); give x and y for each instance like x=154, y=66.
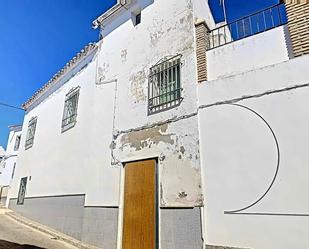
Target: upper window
x=17, y=142
x=30, y=133
x=70, y=109
x=164, y=90
x=136, y=18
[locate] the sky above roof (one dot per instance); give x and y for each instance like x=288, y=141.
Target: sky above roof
x=37, y=38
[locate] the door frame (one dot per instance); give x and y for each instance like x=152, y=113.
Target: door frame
x=121, y=201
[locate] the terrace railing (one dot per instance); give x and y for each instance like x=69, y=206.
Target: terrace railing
x=256, y=23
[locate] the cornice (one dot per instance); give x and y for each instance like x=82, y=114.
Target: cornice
x=70, y=65
x=109, y=13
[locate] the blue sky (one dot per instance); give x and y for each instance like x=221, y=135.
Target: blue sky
x=38, y=37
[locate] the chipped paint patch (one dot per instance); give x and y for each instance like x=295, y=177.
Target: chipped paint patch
x=178, y=173
x=138, y=81
x=124, y=54
x=147, y=138
x=102, y=72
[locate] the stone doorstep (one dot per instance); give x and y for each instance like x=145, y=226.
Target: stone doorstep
x=49, y=231
x=222, y=247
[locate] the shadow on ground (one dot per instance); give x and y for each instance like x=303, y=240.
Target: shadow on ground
x=10, y=245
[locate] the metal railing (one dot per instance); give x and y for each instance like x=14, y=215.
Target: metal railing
x=256, y=23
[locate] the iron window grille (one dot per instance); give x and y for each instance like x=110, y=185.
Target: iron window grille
x=164, y=85
x=17, y=143
x=70, y=109
x=22, y=191
x=31, y=132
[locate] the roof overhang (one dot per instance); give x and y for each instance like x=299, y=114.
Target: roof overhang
x=15, y=128
x=110, y=13
x=87, y=50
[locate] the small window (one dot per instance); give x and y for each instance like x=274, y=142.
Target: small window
x=17, y=143
x=22, y=191
x=31, y=133
x=164, y=87
x=138, y=18
x=70, y=109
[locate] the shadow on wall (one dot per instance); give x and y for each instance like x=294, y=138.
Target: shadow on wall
x=10, y=245
x=135, y=8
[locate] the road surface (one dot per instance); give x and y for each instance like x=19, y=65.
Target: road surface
x=14, y=235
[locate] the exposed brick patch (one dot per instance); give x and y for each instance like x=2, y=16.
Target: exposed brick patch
x=298, y=23
x=202, y=42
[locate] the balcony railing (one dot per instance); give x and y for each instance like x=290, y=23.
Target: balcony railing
x=256, y=23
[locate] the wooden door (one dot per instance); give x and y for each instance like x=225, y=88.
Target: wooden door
x=139, y=218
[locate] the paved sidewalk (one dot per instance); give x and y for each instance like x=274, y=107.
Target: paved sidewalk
x=14, y=235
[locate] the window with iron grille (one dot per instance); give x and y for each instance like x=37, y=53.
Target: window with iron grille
x=30, y=133
x=164, y=89
x=22, y=191
x=70, y=109
x=17, y=143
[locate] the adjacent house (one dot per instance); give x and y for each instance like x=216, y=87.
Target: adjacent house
x=2, y=153
x=173, y=131
x=8, y=163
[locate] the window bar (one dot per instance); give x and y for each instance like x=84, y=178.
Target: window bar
x=176, y=80
x=224, y=34
x=264, y=18
x=250, y=23
x=272, y=18
x=279, y=14
x=237, y=32
x=243, y=27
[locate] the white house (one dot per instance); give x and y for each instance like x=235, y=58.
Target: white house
x=173, y=133
x=2, y=153
x=8, y=163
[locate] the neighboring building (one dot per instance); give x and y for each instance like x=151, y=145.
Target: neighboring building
x=8, y=163
x=168, y=123
x=2, y=153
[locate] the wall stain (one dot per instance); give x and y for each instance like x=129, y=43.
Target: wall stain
x=124, y=54
x=138, y=82
x=102, y=71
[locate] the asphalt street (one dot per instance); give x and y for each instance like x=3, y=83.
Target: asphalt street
x=14, y=235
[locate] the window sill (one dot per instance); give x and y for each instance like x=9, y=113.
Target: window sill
x=27, y=147
x=68, y=127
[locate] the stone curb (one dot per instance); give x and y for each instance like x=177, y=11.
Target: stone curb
x=49, y=231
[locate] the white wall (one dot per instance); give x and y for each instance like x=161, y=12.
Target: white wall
x=113, y=99
x=73, y=162
x=240, y=157
x=250, y=53
x=7, y=165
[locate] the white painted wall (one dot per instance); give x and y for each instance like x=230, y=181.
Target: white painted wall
x=251, y=53
x=239, y=157
x=113, y=99
x=7, y=165
x=73, y=162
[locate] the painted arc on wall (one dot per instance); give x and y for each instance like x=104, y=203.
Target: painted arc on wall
x=238, y=140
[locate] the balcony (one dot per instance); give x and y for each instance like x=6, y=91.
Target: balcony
x=247, y=26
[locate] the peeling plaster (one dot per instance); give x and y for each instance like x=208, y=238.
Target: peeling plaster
x=138, y=81
x=147, y=138
x=124, y=54
x=102, y=71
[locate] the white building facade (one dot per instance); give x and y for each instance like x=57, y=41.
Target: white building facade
x=8, y=163
x=158, y=131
